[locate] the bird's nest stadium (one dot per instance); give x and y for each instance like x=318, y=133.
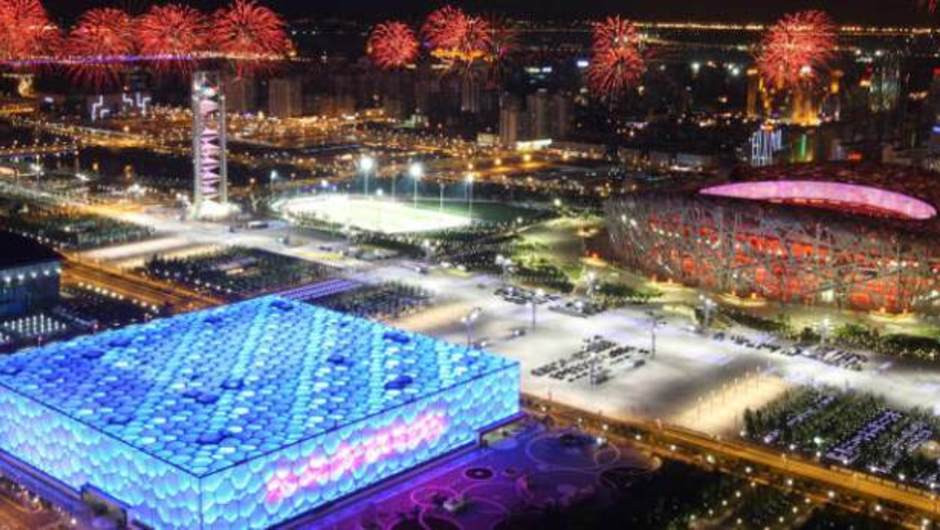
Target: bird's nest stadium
x=859, y=236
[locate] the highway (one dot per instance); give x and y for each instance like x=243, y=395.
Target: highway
x=666, y=440
x=154, y=293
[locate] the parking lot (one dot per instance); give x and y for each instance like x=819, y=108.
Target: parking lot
x=697, y=380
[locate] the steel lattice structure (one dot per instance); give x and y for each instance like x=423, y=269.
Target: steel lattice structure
x=794, y=254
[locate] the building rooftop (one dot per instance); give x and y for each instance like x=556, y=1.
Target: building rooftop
x=840, y=196
x=18, y=251
x=886, y=195
x=205, y=391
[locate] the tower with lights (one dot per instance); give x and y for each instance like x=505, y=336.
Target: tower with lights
x=210, y=167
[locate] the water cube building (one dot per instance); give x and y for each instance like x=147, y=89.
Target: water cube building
x=246, y=415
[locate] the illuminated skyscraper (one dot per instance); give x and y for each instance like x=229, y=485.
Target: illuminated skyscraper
x=755, y=94
x=765, y=143
x=209, y=143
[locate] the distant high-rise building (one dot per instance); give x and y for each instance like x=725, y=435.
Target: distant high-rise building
x=933, y=145
x=549, y=114
x=885, y=84
x=804, y=106
x=765, y=143
x=755, y=88
x=510, y=120
x=470, y=95
x=241, y=94
x=537, y=105
x=285, y=97
x=424, y=79
x=562, y=116
x=545, y=116
x=328, y=105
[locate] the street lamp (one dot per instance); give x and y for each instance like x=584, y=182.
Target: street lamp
x=470, y=194
x=591, y=285
x=366, y=166
x=416, y=171
x=505, y=265
x=468, y=321
x=273, y=179
x=655, y=322
x=708, y=306
x=534, y=302
x=825, y=328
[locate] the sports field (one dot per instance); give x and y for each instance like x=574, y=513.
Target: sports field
x=372, y=214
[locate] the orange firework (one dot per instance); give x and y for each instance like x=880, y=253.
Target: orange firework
x=797, y=49
x=249, y=34
x=617, y=62
x=171, y=36
x=456, y=37
x=100, y=36
x=25, y=30
x=392, y=44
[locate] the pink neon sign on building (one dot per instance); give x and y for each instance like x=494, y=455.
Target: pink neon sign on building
x=398, y=438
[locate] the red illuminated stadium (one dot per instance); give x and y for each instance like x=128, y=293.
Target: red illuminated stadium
x=860, y=236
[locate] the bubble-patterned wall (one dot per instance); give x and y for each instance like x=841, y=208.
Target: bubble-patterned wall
x=245, y=415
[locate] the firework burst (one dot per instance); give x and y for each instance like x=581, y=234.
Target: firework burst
x=456, y=37
x=25, y=30
x=617, y=62
x=392, y=45
x=797, y=49
x=250, y=34
x=173, y=35
x=96, y=45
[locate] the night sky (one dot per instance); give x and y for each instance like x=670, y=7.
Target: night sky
x=845, y=11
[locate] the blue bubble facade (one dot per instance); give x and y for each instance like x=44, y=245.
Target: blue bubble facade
x=246, y=415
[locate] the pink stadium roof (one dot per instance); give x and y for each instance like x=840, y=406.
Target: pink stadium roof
x=850, y=197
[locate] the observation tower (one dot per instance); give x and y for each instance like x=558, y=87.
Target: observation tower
x=210, y=166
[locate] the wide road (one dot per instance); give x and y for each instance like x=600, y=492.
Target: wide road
x=14, y=516
x=837, y=478
x=154, y=293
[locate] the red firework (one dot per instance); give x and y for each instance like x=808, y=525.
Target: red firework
x=617, y=62
x=797, y=49
x=249, y=33
x=25, y=30
x=392, y=45
x=455, y=36
x=99, y=45
x=173, y=35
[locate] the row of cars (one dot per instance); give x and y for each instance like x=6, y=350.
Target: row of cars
x=830, y=356
x=597, y=359
x=820, y=352
x=522, y=296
